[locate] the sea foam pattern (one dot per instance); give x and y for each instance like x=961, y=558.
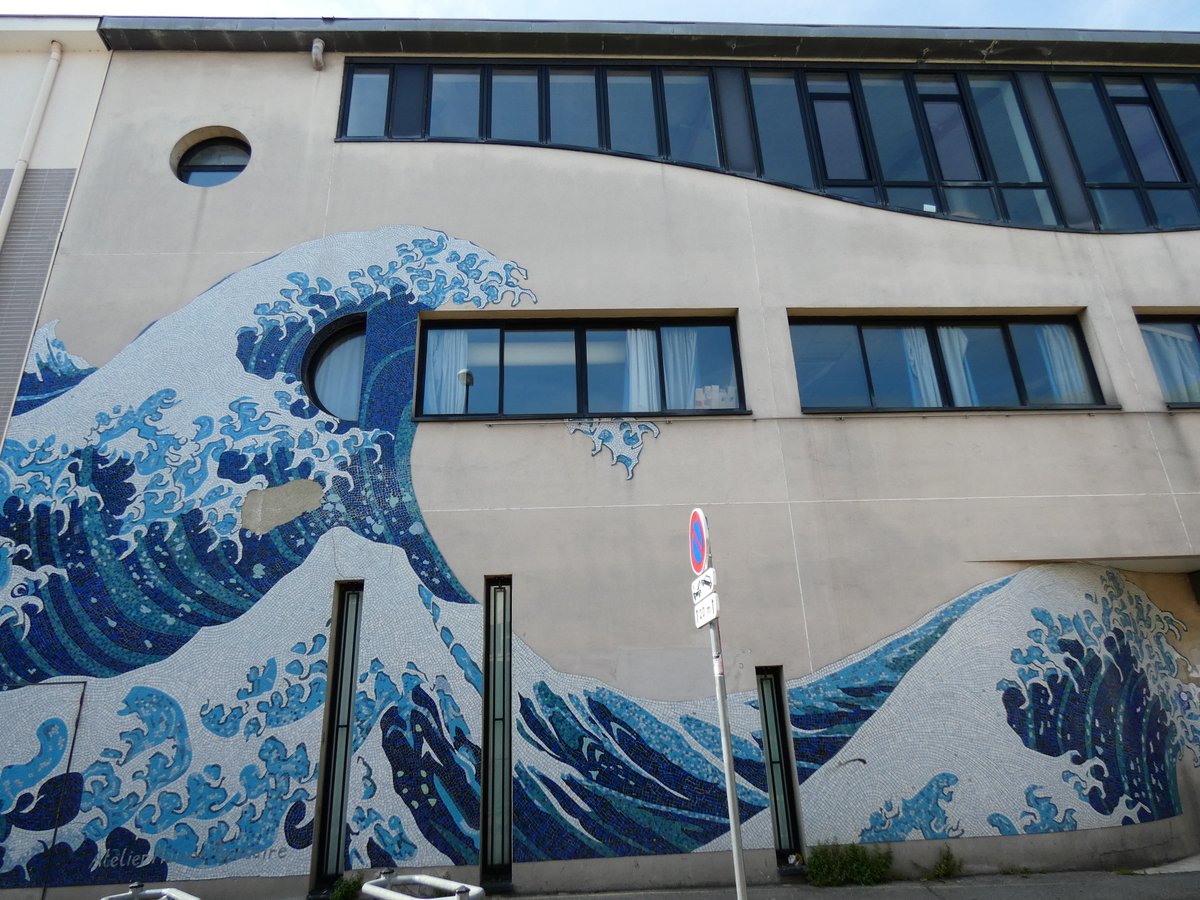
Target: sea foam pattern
x=203, y=648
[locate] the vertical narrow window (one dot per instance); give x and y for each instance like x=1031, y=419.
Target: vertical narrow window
x=691, y=127
x=1175, y=352
x=454, y=103
x=948, y=126
x=1142, y=129
x=496, y=828
x=893, y=127
x=776, y=735
x=367, y=115
x=573, y=121
x=1091, y=135
x=1004, y=130
x=514, y=107
x=337, y=372
x=408, y=101
x=837, y=130
x=330, y=844
x=632, y=122
x=780, y=126
x=1182, y=102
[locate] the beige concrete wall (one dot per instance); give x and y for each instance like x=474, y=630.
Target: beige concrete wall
x=838, y=530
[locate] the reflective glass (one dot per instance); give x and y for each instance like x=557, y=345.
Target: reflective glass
x=952, y=140
x=1176, y=355
x=977, y=366
x=691, y=129
x=827, y=83
x=937, y=85
x=623, y=370
x=631, y=120
x=454, y=103
x=1174, y=208
x=462, y=371
x=1125, y=87
x=829, y=367
x=919, y=199
x=1004, y=128
x=971, y=203
x=901, y=364
x=698, y=367
x=218, y=152
x=338, y=374
x=862, y=194
x=207, y=177
x=780, y=128
x=368, y=102
x=408, y=101
x=841, y=150
x=893, y=127
x=1094, y=142
x=539, y=372
x=1182, y=101
x=1119, y=209
x=1146, y=139
x=1052, y=364
x=573, y=108
x=515, y=105
x=1029, y=206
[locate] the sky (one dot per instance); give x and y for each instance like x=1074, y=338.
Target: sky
x=1155, y=15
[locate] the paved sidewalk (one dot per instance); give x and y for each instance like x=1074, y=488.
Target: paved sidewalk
x=1157, y=885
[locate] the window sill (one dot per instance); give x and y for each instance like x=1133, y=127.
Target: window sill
x=963, y=410
x=492, y=418
x=1183, y=405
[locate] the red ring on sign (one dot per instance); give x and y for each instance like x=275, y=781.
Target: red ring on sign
x=698, y=542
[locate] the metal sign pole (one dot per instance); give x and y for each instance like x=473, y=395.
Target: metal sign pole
x=735, y=820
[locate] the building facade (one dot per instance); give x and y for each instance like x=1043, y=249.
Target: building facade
x=362, y=376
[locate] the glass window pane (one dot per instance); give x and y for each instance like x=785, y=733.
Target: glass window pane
x=971, y=203
x=1029, y=206
x=539, y=372
x=1119, y=209
x=1182, y=101
x=1094, y=142
x=338, y=374
x=368, y=102
x=1176, y=355
x=1146, y=138
x=622, y=371
x=691, y=129
x=841, y=150
x=893, y=127
x=862, y=194
x=698, y=367
x=1004, y=128
x=977, y=366
x=829, y=367
x=901, y=366
x=573, y=108
x=780, y=128
x=919, y=199
x=515, y=104
x=462, y=371
x=219, y=152
x=408, y=101
x=827, y=83
x=1051, y=363
x=937, y=85
x=1125, y=87
x=1174, y=208
x=631, y=120
x=952, y=140
x=454, y=104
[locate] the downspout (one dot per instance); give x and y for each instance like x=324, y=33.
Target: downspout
x=31, y=133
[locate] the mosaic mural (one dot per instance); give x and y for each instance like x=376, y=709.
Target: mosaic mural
x=164, y=670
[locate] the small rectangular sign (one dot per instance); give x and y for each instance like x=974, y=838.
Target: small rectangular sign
x=707, y=610
x=704, y=585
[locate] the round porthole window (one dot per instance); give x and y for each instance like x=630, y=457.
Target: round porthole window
x=211, y=156
x=335, y=373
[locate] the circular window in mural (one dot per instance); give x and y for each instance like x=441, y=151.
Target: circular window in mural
x=335, y=369
x=210, y=156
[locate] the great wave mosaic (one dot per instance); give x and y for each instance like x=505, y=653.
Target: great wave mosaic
x=164, y=669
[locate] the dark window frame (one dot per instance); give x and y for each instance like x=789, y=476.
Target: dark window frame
x=185, y=167
x=930, y=324
x=313, y=353
x=1171, y=319
x=874, y=190
x=580, y=328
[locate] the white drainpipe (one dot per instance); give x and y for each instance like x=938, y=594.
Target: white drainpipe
x=31, y=133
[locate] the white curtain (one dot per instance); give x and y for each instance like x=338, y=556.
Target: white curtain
x=338, y=378
x=679, y=366
x=954, y=343
x=445, y=357
x=1064, y=364
x=641, y=371
x=922, y=377
x=1176, y=359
